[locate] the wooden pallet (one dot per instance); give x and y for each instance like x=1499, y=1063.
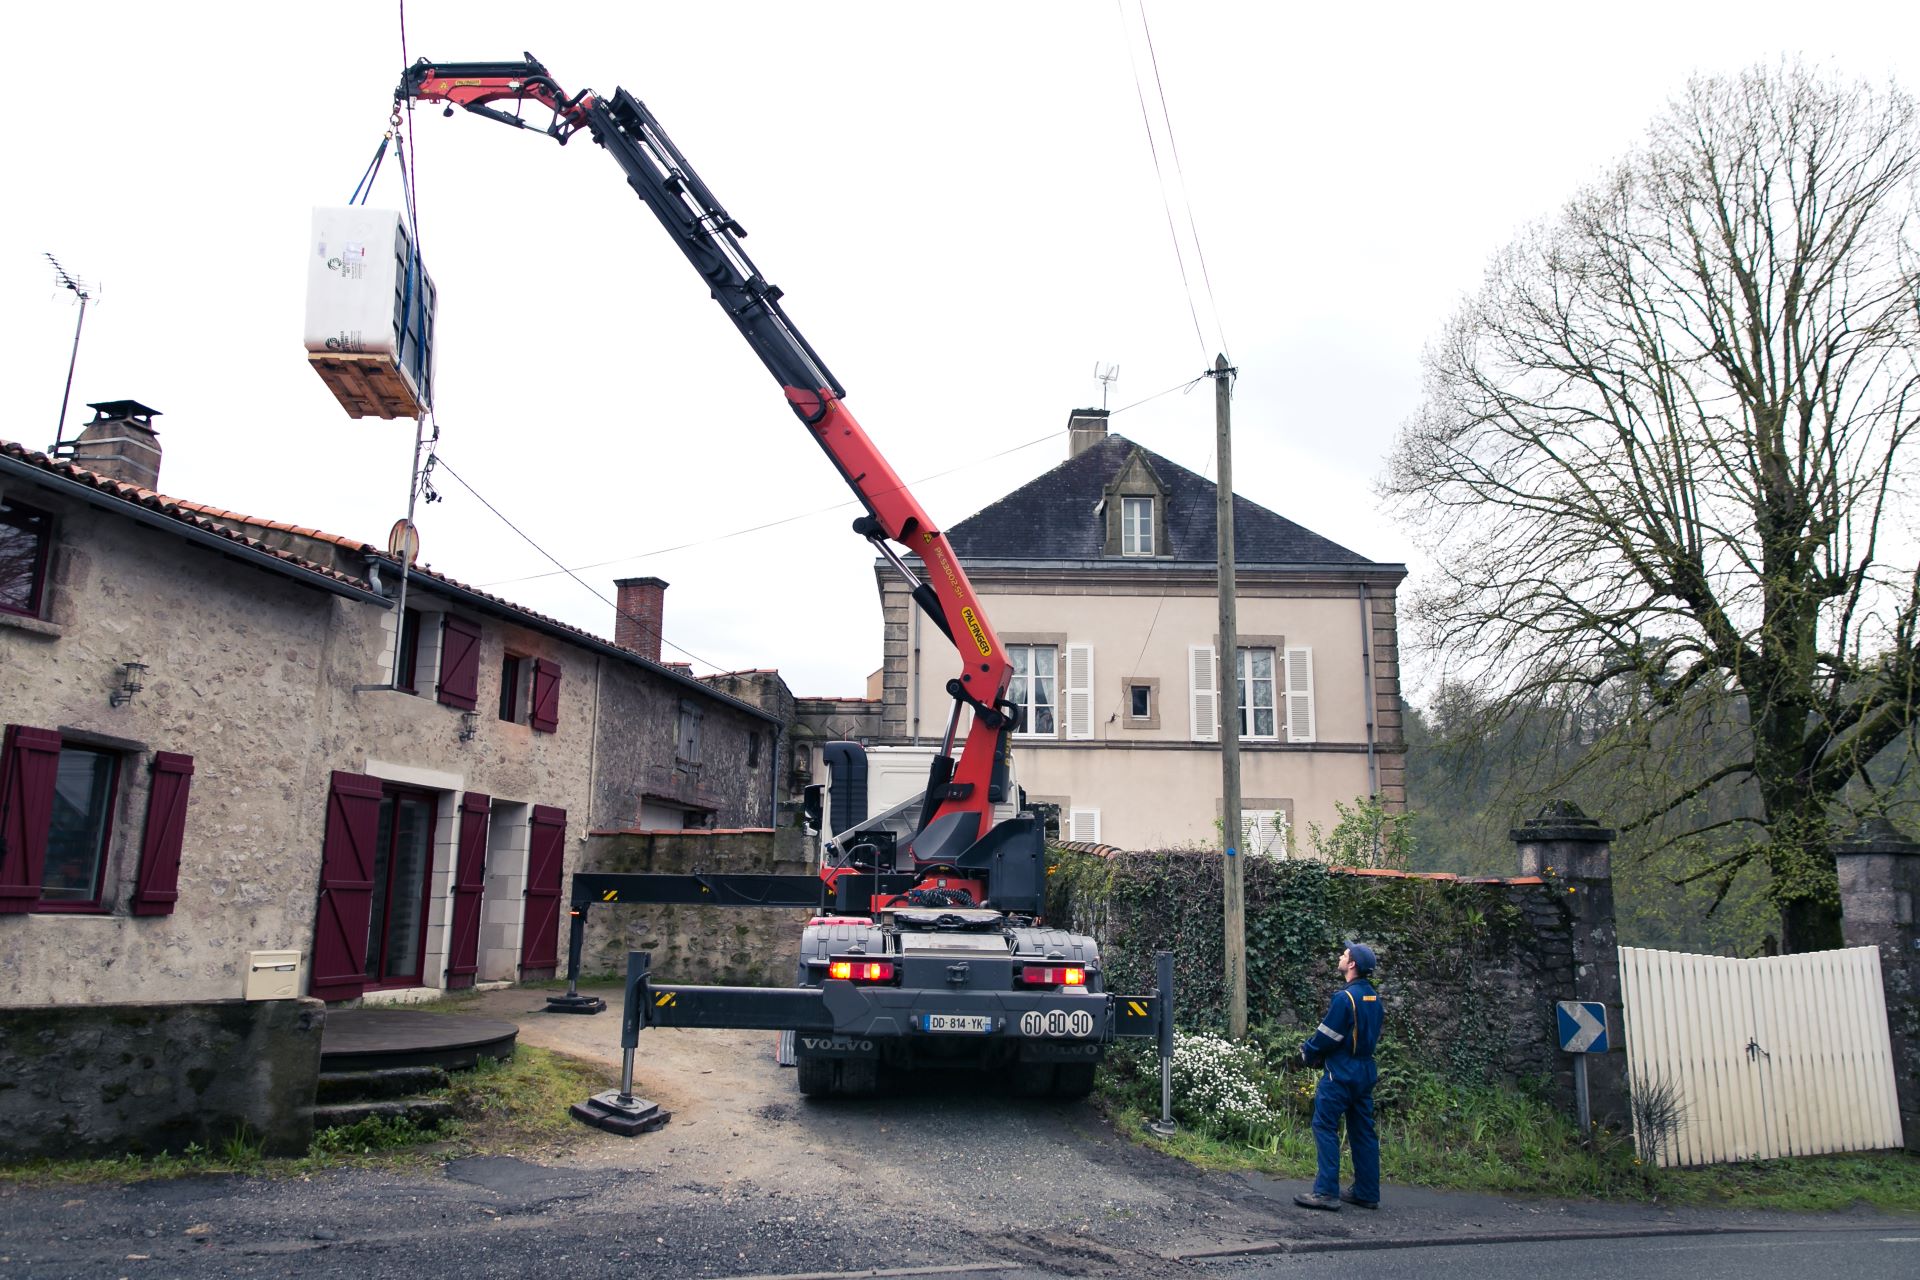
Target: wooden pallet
x=367, y=386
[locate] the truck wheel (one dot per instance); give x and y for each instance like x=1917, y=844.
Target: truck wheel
x=816, y=1076
x=1032, y=1079
x=859, y=1077
x=1073, y=1080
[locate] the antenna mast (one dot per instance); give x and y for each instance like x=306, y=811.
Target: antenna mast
x=83, y=291
x=1106, y=378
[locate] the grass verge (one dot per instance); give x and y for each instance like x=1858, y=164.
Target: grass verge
x=1482, y=1137
x=514, y=1106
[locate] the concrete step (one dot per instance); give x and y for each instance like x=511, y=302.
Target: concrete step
x=428, y=1113
x=378, y=1082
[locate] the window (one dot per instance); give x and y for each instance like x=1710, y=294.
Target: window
x=1033, y=687
x=1139, y=702
x=1257, y=694
x=59, y=804
x=753, y=750
x=1264, y=832
x=407, y=675
x=1136, y=526
x=686, y=748
x=79, y=827
x=402, y=861
x=25, y=535
x=513, y=697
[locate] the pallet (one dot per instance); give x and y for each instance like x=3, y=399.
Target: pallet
x=367, y=386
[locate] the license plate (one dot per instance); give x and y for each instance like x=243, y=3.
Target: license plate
x=974, y=1022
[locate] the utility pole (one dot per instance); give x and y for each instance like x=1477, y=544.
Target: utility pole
x=1234, y=873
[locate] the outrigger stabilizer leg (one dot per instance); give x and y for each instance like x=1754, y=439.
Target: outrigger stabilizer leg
x=573, y=1001
x=619, y=1110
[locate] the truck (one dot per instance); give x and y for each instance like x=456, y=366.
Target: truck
x=929, y=943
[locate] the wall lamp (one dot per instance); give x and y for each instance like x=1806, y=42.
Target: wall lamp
x=132, y=677
x=469, y=725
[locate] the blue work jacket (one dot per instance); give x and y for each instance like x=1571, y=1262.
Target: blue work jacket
x=1344, y=1041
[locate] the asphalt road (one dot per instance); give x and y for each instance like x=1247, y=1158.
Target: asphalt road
x=951, y=1178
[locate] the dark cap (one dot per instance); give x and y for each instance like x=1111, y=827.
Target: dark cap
x=1362, y=956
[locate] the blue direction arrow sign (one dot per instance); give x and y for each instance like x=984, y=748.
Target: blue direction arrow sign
x=1583, y=1026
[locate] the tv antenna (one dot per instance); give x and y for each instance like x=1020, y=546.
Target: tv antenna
x=83, y=291
x=1106, y=378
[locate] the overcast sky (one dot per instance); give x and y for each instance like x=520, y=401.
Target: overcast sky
x=959, y=201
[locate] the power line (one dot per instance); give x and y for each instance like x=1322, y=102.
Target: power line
x=1186, y=193
x=1153, y=149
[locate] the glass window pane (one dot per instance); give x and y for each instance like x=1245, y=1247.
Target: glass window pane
x=22, y=544
x=382, y=862
x=1139, y=694
x=77, y=834
x=412, y=854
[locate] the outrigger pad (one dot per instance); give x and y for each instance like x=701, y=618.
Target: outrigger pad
x=576, y=1004
x=627, y=1117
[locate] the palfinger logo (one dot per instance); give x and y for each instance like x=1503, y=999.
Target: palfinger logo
x=975, y=630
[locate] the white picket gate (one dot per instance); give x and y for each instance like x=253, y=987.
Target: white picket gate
x=1777, y=1056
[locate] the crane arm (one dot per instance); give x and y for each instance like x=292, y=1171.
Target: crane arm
x=958, y=808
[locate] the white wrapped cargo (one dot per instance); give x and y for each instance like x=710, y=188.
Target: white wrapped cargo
x=370, y=313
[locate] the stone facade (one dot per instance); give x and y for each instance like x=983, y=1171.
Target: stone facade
x=111, y=1079
x=268, y=653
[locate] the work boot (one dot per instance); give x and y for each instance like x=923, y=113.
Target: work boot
x=1349, y=1198
x=1311, y=1200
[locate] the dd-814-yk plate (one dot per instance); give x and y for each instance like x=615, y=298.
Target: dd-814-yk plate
x=966, y=1023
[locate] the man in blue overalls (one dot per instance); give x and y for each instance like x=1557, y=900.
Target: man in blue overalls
x=1342, y=1045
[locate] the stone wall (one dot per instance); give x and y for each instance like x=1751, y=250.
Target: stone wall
x=1879, y=871
x=116, y=1078
x=718, y=946
x=1470, y=968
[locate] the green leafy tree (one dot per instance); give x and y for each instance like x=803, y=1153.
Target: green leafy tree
x=1663, y=465
x=1367, y=835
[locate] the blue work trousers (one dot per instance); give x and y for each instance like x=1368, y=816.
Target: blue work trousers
x=1332, y=1101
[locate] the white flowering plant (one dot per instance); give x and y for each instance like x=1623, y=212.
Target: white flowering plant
x=1219, y=1085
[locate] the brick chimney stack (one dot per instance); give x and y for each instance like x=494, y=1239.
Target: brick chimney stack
x=120, y=443
x=637, y=627
x=1085, y=429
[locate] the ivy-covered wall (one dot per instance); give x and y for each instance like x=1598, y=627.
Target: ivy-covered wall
x=1470, y=969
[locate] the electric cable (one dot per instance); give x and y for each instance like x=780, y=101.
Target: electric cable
x=1153, y=148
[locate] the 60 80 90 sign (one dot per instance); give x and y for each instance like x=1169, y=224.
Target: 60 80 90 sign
x=1057, y=1023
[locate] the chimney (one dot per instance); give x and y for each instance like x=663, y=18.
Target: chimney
x=120, y=443
x=637, y=627
x=1085, y=429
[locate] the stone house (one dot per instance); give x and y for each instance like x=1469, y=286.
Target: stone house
x=223, y=736
x=1100, y=578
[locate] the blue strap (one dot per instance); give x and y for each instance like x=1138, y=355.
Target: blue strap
x=365, y=188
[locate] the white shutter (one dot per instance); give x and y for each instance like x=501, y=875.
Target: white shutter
x=1083, y=825
x=1300, y=695
x=1077, y=691
x=1266, y=832
x=1203, y=696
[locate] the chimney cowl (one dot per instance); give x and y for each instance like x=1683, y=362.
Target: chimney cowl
x=120, y=443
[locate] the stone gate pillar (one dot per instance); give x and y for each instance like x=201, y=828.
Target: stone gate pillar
x=1574, y=855
x=1879, y=886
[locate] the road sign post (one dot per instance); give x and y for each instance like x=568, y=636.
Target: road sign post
x=1583, y=1030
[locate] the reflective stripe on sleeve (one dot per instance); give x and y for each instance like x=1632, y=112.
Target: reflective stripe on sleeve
x=1330, y=1033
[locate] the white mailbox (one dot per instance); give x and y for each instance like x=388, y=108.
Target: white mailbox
x=273, y=975
x=370, y=312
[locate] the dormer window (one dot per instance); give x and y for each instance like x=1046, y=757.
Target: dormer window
x=1136, y=526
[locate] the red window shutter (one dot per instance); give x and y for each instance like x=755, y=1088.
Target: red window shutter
x=165, y=835
x=469, y=880
x=346, y=887
x=546, y=696
x=459, y=663
x=29, y=763
x=546, y=858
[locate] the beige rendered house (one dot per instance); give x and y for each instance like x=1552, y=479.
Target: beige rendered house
x=1100, y=578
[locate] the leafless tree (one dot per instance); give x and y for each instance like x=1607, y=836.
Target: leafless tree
x=1666, y=450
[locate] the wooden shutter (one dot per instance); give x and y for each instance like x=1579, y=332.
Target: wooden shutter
x=469, y=880
x=1300, y=695
x=546, y=857
x=545, y=716
x=165, y=835
x=1077, y=691
x=346, y=887
x=1266, y=832
x=29, y=764
x=459, y=663
x=1203, y=696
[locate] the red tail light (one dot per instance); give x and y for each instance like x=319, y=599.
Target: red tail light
x=1053, y=975
x=861, y=970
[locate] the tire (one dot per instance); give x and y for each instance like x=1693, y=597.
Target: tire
x=859, y=1077
x=1073, y=1080
x=817, y=1076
